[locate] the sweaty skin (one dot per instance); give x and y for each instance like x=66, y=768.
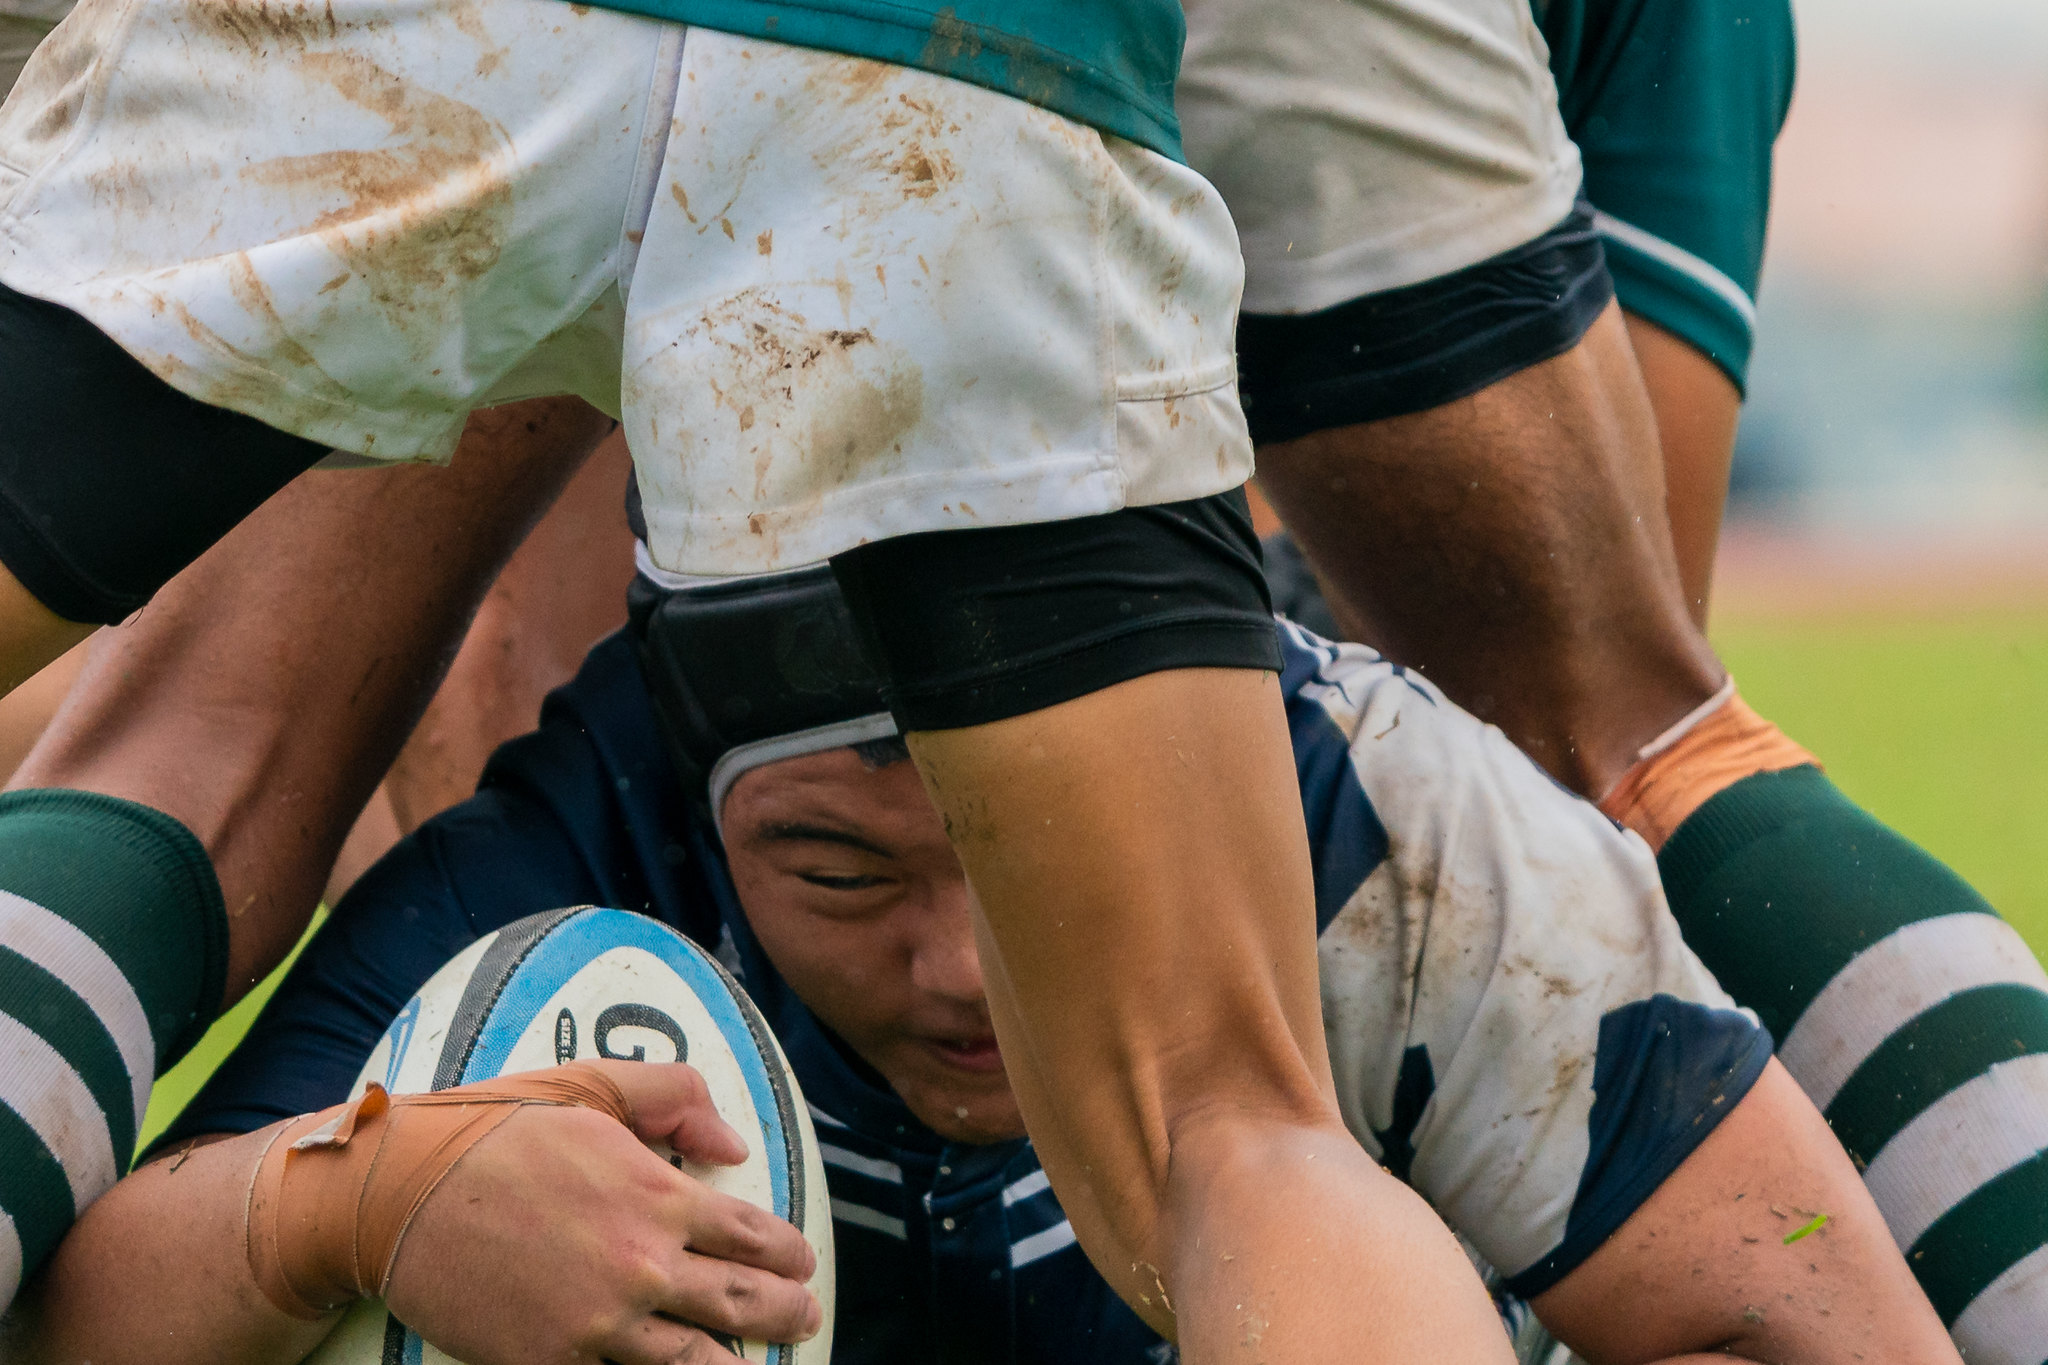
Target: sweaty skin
x=1515, y=546
x=1187, y=1117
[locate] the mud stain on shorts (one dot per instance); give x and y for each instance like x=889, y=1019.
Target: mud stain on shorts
x=416, y=221
x=903, y=140
x=815, y=408
x=265, y=26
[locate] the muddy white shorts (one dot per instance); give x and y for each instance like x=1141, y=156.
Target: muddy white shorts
x=832, y=300
x=1366, y=145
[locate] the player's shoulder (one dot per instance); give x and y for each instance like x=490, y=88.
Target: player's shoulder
x=1395, y=774
x=1382, y=715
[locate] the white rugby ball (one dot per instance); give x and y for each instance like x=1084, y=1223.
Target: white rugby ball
x=586, y=983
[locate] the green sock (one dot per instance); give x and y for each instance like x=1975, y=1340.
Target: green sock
x=1914, y=1017
x=113, y=953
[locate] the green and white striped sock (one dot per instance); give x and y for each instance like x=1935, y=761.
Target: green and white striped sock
x=113, y=950
x=1914, y=1017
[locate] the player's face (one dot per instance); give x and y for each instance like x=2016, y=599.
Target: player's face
x=854, y=893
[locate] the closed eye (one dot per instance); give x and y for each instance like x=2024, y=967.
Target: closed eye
x=841, y=883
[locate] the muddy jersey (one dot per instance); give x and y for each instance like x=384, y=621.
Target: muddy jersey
x=1516, y=1028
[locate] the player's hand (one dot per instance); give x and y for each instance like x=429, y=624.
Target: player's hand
x=561, y=1238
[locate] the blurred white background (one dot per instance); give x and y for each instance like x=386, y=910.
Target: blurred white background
x=1899, y=394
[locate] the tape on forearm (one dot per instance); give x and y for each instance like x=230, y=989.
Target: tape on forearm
x=335, y=1191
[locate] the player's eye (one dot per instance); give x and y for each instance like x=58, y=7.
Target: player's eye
x=837, y=882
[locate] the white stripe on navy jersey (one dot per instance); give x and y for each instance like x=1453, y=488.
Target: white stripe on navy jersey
x=47, y=1094
x=873, y=1168
x=1982, y=1128
x=68, y=953
x=874, y=1220
x=1036, y=1183
x=1888, y=984
x=1040, y=1245
x=820, y=1116
x=2005, y=1324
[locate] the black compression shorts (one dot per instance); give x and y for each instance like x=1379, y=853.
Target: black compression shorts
x=111, y=481
x=969, y=627
x=1409, y=350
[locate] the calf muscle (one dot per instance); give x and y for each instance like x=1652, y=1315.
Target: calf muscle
x=297, y=654
x=1164, y=1036
x=1514, y=546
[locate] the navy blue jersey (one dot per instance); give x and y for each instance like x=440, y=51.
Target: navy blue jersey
x=1535, y=1093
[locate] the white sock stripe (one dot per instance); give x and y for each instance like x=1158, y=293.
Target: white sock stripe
x=1977, y=1131
x=68, y=953
x=1690, y=721
x=2007, y=1324
x=1040, y=1245
x=872, y=1167
x=1035, y=1183
x=874, y=1220
x=52, y=1099
x=10, y=1260
x=1892, y=982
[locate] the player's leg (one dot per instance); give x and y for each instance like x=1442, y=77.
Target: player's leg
x=1145, y=930
x=1697, y=406
x=1511, y=544
x=562, y=591
x=201, y=738
x=1859, y=884
x=145, y=419
x=1913, y=1016
x=959, y=364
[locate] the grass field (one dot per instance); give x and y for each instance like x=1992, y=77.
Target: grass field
x=1937, y=722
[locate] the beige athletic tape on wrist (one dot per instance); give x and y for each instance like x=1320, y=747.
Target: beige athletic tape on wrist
x=335, y=1191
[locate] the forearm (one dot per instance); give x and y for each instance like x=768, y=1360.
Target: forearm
x=1729, y=1255
x=157, y=1273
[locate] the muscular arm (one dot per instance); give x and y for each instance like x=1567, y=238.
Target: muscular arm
x=1697, y=409
x=1702, y=1268
x=260, y=696
x=584, y=1243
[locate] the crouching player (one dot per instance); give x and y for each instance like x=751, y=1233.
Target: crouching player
x=1517, y=1031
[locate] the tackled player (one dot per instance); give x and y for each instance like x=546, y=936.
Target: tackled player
x=782, y=244
x=1518, y=1032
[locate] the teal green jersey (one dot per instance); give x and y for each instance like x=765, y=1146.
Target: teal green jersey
x=1675, y=105
x=1107, y=63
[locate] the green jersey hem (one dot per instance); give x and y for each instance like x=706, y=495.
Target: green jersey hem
x=1701, y=316
x=1127, y=92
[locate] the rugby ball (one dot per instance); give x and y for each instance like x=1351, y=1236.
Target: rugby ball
x=586, y=983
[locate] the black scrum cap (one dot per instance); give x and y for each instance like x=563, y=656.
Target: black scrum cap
x=747, y=671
